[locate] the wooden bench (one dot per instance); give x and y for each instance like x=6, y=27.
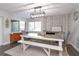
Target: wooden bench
x=58, y=48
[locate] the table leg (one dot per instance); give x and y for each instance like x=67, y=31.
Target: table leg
x=60, y=53
x=49, y=52
x=60, y=45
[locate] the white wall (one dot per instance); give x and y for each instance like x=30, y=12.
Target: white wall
x=19, y=16
x=57, y=21
x=5, y=31
x=1, y=30
x=74, y=32
x=53, y=21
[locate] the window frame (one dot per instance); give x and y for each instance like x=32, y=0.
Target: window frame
x=24, y=26
x=34, y=27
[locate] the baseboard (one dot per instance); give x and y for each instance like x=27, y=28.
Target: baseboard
x=74, y=47
x=0, y=44
x=6, y=43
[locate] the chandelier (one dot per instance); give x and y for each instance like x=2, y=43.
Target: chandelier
x=38, y=12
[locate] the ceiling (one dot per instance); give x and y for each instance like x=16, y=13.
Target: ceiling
x=49, y=8
x=12, y=6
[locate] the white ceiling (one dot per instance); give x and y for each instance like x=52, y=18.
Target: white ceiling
x=49, y=8
x=12, y=6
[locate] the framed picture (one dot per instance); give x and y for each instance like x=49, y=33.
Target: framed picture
x=75, y=15
x=7, y=23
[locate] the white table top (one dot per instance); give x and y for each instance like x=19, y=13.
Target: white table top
x=47, y=37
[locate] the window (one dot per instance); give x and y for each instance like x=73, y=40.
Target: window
x=22, y=25
x=14, y=26
x=34, y=26
x=37, y=26
x=31, y=26
x=17, y=26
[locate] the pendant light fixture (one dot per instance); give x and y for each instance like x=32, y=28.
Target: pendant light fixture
x=38, y=12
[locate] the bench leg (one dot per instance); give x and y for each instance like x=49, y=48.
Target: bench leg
x=47, y=51
x=25, y=47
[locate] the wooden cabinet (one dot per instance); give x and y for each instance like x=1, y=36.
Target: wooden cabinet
x=14, y=37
